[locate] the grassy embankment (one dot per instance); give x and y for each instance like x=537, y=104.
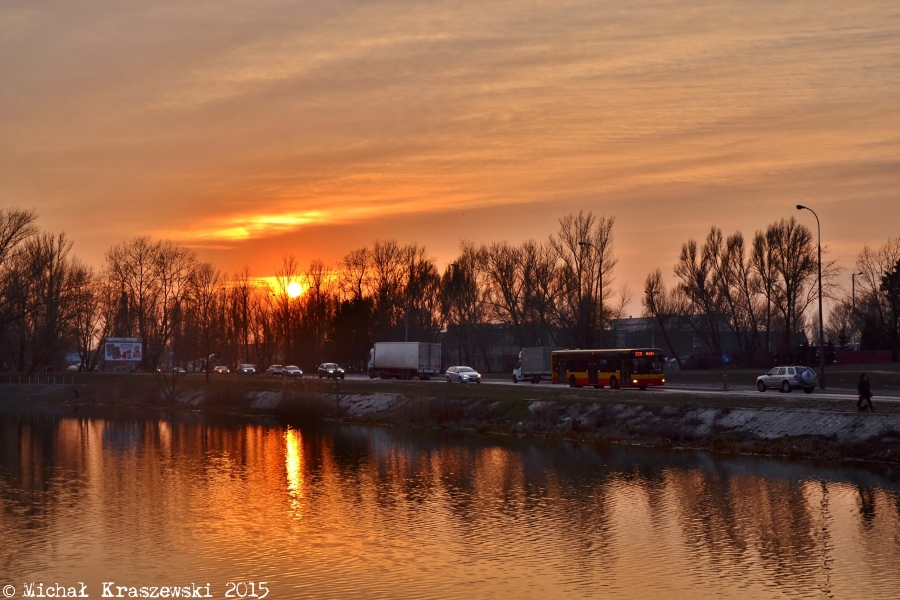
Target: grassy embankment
x=145, y=389
x=655, y=417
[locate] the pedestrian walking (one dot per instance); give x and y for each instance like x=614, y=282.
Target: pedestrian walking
x=865, y=394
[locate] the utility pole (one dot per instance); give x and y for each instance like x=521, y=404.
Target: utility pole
x=599, y=284
x=821, y=316
x=853, y=305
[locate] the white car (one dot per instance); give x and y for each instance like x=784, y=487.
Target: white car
x=462, y=375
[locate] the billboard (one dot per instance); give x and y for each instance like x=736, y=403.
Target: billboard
x=123, y=349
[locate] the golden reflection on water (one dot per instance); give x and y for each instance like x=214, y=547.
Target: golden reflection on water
x=293, y=464
x=361, y=512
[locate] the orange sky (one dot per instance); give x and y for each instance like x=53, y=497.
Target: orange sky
x=254, y=130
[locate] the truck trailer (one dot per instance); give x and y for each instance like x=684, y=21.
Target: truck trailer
x=404, y=360
x=534, y=364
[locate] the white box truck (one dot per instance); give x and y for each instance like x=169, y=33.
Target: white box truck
x=534, y=364
x=404, y=360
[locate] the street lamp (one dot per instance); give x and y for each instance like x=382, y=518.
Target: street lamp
x=821, y=316
x=853, y=279
x=600, y=285
x=459, y=325
x=853, y=305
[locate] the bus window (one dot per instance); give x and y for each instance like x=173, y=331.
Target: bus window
x=577, y=365
x=647, y=364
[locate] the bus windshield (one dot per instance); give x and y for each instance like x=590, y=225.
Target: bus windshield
x=647, y=364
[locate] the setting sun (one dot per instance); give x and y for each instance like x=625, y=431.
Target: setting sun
x=294, y=289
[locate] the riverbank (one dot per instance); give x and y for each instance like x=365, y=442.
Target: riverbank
x=793, y=425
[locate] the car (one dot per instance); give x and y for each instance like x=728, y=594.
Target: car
x=330, y=370
x=178, y=370
x=787, y=378
x=72, y=368
x=246, y=369
x=462, y=375
x=292, y=371
x=274, y=370
x=221, y=370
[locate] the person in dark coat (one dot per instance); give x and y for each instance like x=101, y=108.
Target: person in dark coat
x=865, y=394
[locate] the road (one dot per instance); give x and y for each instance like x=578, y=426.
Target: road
x=836, y=395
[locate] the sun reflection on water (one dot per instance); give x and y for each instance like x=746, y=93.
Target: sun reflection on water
x=293, y=463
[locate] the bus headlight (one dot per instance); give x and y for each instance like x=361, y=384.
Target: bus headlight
x=634, y=381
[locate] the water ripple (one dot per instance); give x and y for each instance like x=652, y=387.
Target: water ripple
x=349, y=512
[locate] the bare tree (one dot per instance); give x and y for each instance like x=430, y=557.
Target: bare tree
x=241, y=288
x=766, y=277
x=154, y=278
x=463, y=298
x=387, y=286
x=286, y=306
x=263, y=325
x=421, y=293
x=355, y=273
x=503, y=267
x=666, y=307
x=584, y=246
x=207, y=281
x=44, y=296
x=131, y=266
x=792, y=254
x=96, y=304
x=697, y=283
x=878, y=291
x=175, y=266
x=316, y=308
x=541, y=293
x=16, y=226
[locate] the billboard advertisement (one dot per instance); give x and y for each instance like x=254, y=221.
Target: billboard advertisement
x=122, y=349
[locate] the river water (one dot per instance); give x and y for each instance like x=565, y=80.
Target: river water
x=338, y=511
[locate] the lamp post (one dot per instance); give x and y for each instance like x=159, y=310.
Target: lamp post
x=459, y=325
x=600, y=285
x=821, y=316
x=853, y=306
x=853, y=279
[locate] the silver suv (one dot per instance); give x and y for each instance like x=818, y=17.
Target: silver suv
x=786, y=379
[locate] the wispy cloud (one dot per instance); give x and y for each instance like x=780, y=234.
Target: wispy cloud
x=224, y=123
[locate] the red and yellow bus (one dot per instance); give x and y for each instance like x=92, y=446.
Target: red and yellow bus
x=631, y=367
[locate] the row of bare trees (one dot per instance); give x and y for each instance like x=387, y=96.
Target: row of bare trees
x=759, y=295
x=753, y=296
x=42, y=288
x=187, y=312
x=868, y=317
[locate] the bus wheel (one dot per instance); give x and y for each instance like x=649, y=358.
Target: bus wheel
x=536, y=379
x=613, y=383
x=572, y=381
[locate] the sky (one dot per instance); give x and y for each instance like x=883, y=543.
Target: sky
x=254, y=130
